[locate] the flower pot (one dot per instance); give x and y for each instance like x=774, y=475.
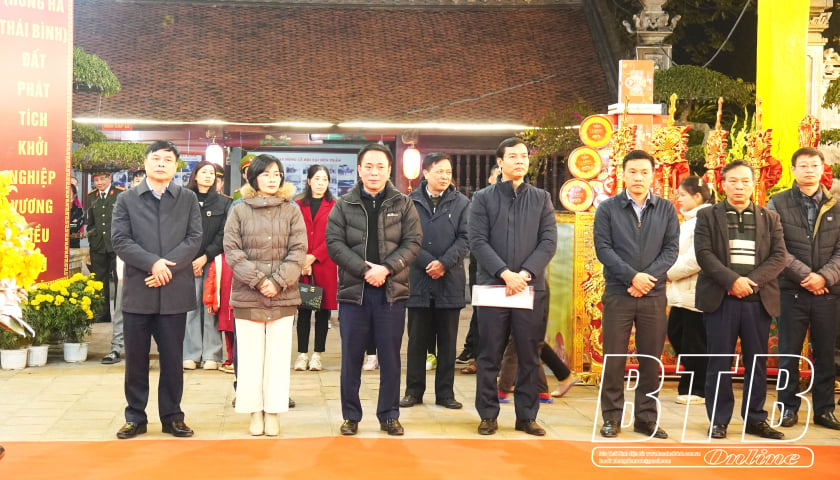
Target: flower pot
x=13, y=359
x=37, y=356
x=75, y=352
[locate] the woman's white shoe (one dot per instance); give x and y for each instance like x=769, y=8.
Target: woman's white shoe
x=315, y=362
x=272, y=427
x=257, y=425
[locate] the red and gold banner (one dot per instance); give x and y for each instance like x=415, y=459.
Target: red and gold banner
x=36, y=88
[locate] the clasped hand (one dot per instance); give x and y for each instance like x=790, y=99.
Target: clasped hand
x=515, y=282
x=376, y=274
x=642, y=284
x=160, y=274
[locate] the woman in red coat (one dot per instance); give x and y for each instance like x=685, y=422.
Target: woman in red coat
x=315, y=206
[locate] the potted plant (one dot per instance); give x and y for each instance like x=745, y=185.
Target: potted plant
x=12, y=350
x=38, y=343
x=65, y=309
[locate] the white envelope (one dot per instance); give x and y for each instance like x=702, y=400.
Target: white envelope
x=494, y=296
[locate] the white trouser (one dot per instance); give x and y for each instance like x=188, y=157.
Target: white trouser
x=264, y=351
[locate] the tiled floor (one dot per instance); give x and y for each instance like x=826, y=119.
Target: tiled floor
x=85, y=401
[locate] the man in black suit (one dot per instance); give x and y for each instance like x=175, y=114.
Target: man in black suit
x=157, y=232
x=101, y=201
x=741, y=252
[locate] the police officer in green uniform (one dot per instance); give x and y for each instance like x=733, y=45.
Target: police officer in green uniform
x=100, y=203
x=243, y=169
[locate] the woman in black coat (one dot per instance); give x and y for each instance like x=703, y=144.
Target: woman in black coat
x=202, y=340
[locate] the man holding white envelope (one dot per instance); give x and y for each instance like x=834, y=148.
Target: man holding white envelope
x=513, y=235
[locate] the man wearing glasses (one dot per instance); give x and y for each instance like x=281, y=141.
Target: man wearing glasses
x=810, y=219
x=741, y=252
x=373, y=235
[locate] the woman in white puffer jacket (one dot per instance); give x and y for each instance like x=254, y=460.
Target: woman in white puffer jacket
x=686, y=331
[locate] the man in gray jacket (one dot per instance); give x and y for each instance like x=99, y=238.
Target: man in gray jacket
x=156, y=230
x=373, y=235
x=513, y=235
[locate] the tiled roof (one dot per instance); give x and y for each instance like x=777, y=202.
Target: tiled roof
x=261, y=63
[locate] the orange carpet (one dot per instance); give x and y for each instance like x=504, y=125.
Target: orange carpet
x=363, y=458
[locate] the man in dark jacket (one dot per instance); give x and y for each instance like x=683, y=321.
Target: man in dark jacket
x=437, y=282
x=157, y=231
x=513, y=235
x=741, y=252
x=636, y=237
x=810, y=219
x=373, y=235
x=103, y=261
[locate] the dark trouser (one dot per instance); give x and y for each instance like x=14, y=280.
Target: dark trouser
x=495, y=327
x=800, y=311
x=322, y=325
x=748, y=321
x=103, y=265
x=425, y=323
x=168, y=332
x=621, y=312
x=471, y=342
x=687, y=334
x=507, y=375
x=385, y=322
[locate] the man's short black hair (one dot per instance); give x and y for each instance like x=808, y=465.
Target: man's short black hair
x=806, y=152
x=639, y=155
x=163, y=145
x=735, y=164
x=432, y=158
x=375, y=147
x=260, y=164
x=507, y=143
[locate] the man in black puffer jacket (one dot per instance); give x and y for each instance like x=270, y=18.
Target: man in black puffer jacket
x=373, y=235
x=809, y=285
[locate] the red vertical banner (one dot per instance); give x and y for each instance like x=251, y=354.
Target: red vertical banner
x=35, y=113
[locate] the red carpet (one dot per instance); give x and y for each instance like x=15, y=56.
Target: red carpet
x=363, y=458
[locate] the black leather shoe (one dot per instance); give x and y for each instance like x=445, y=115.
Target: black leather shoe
x=827, y=420
x=610, y=429
x=111, y=358
x=131, y=430
x=349, y=427
x=718, y=430
x=292, y=403
x=177, y=428
x=530, y=427
x=650, y=429
x=488, y=426
x=790, y=418
x=392, y=426
x=449, y=403
x=763, y=430
x=410, y=400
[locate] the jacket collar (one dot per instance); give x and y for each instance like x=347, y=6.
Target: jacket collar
x=419, y=194
x=651, y=200
x=283, y=195
x=143, y=187
x=506, y=187
x=355, y=193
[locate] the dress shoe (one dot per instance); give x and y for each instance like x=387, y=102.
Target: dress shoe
x=349, y=427
x=131, y=430
x=610, y=429
x=450, y=403
x=650, y=429
x=717, y=430
x=763, y=430
x=488, y=426
x=790, y=418
x=292, y=403
x=111, y=358
x=272, y=426
x=827, y=420
x=410, y=400
x=257, y=426
x=177, y=428
x=392, y=426
x=530, y=427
